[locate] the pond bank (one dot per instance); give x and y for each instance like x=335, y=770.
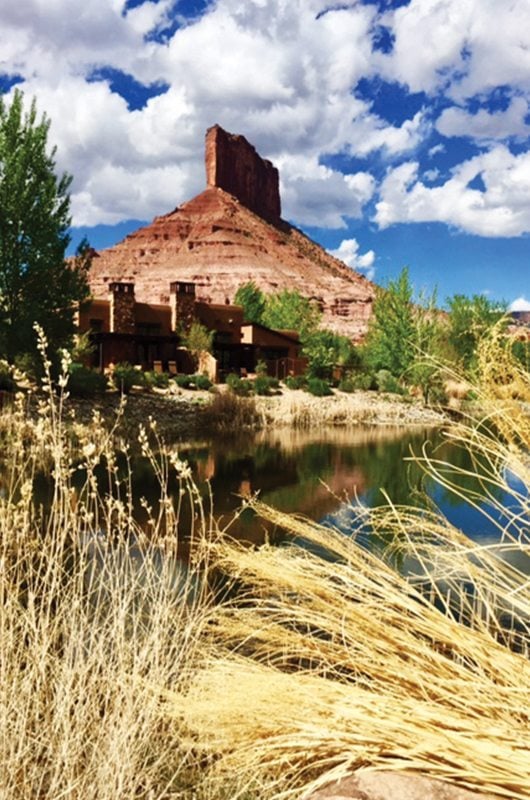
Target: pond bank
x=185, y=415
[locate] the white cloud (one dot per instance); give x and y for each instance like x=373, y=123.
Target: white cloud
x=486, y=125
x=469, y=47
x=273, y=70
x=284, y=74
x=501, y=209
x=313, y=194
x=520, y=304
x=348, y=251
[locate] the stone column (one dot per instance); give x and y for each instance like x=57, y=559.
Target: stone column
x=182, y=296
x=122, y=307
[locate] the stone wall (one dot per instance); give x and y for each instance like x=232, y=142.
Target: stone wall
x=233, y=164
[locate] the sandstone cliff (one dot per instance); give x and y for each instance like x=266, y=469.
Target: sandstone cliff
x=230, y=234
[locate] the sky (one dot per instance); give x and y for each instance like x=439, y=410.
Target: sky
x=401, y=128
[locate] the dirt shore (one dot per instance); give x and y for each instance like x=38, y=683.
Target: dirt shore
x=182, y=416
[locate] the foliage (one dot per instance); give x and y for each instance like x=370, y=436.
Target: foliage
x=156, y=380
x=289, y=310
x=125, y=376
x=239, y=386
x=7, y=382
x=36, y=284
x=264, y=385
x=521, y=353
x=296, y=381
x=85, y=382
x=198, y=339
x=390, y=340
x=229, y=412
x=386, y=382
x=83, y=347
x=470, y=319
x=326, y=350
x=202, y=382
x=318, y=387
x=253, y=301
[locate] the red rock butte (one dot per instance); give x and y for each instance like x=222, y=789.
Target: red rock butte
x=230, y=234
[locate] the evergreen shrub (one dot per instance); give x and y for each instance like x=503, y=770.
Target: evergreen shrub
x=319, y=387
x=125, y=376
x=85, y=382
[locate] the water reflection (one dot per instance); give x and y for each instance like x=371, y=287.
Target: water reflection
x=321, y=473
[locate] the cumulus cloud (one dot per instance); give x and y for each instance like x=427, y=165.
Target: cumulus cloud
x=502, y=208
x=466, y=48
x=279, y=73
x=484, y=124
x=285, y=74
x=520, y=304
x=348, y=251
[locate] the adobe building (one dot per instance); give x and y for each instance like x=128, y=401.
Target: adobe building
x=229, y=234
x=150, y=335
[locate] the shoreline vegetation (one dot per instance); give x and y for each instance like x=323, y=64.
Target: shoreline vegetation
x=195, y=414
x=261, y=673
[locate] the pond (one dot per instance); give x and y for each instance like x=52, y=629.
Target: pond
x=320, y=473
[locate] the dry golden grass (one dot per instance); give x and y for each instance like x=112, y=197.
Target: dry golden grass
x=120, y=678
x=329, y=658
x=92, y=615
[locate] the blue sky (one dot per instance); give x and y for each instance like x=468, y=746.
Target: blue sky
x=401, y=128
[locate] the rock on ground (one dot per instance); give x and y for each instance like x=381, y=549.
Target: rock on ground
x=372, y=785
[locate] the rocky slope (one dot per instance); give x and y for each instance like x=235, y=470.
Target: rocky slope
x=230, y=234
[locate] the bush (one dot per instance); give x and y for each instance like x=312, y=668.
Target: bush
x=262, y=385
x=228, y=413
x=85, y=382
x=386, y=382
x=156, y=380
x=239, y=386
x=125, y=376
x=318, y=387
x=360, y=381
x=296, y=381
x=7, y=382
x=202, y=382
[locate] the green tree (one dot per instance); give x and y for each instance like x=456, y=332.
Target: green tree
x=326, y=350
x=390, y=343
x=36, y=283
x=253, y=301
x=470, y=319
x=289, y=310
x=198, y=340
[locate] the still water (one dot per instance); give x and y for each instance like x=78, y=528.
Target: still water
x=320, y=474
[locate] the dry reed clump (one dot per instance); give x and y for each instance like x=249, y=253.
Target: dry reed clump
x=297, y=409
x=330, y=658
x=92, y=615
x=229, y=413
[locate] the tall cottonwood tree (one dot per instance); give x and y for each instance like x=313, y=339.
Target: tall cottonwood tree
x=37, y=285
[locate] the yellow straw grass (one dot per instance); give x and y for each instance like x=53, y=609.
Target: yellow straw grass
x=329, y=658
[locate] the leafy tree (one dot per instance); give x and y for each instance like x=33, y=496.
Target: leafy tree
x=289, y=310
x=198, y=340
x=36, y=283
x=326, y=350
x=253, y=301
x=471, y=318
x=390, y=341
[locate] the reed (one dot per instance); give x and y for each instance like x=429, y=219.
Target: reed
x=93, y=613
x=330, y=658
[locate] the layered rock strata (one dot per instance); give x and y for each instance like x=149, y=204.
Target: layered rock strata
x=221, y=239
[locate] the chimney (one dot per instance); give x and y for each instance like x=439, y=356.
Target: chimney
x=122, y=307
x=182, y=305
